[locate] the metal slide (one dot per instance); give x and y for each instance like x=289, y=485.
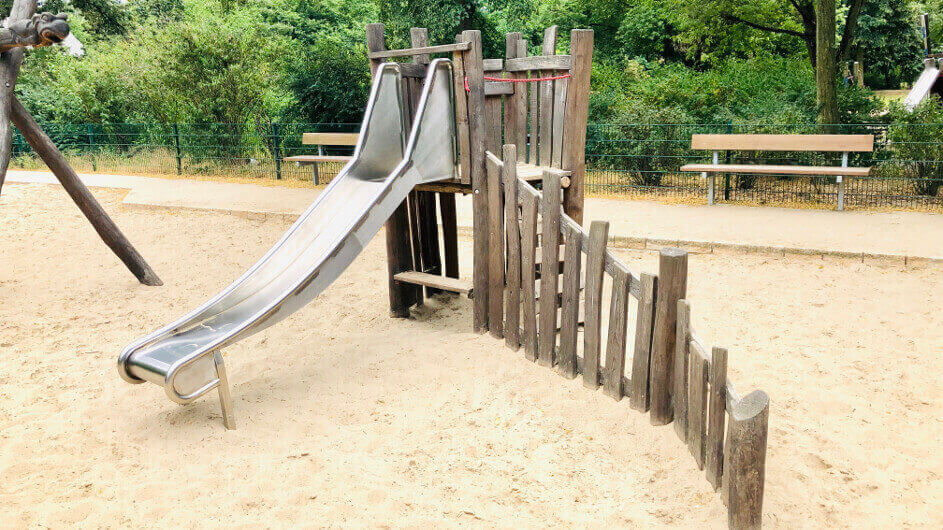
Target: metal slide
x=924, y=84
x=183, y=357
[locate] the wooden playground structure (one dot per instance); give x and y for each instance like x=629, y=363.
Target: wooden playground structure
x=521, y=134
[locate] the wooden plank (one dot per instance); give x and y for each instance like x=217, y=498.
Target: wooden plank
x=778, y=170
x=498, y=88
x=697, y=408
x=515, y=106
x=493, y=121
x=479, y=180
x=330, y=138
x=545, y=143
x=528, y=275
x=493, y=65
x=641, y=357
x=512, y=315
x=425, y=50
x=574, y=128
x=417, y=71
x=449, y=233
x=680, y=370
x=550, y=248
x=746, y=465
x=569, y=317
x=784, y=142
x=672, y=286
x=559, y=114
x=533, y=119
x=615, y=345
x=496, y=246
x=539, y=62
x=592, y=330
x=461, y=115
x=443, y=283
x=714, y=450
x=376, y=42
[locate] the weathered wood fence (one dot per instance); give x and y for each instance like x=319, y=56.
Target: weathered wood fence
x=535, y=303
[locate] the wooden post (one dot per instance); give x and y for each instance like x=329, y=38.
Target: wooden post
x=697, y=407
x=545, y=144
x=679, y=394
x=641, y=357
x=398, y=248
x=496, y=248
x=577, y=113
x=592, y=334
x=549, y=267
x=569, y=315
x=615, y=345
x=461, y=113
x=746, y=464
x=512, y=316
x=672, y=286
x=515, y=105
x=714, y=457
x=474, y=73
x=106, y=228
x=528, y=274
x=10, y=63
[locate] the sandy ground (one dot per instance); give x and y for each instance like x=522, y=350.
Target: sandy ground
x=347, y=417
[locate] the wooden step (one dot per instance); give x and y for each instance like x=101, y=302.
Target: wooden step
x=454, y=285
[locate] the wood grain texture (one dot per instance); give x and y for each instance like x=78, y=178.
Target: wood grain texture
x=493, y=65
x=330, y=138
x=784, y=142
x=515, y=105
x=745, y=468
x=714, y=457
x=697, y=408
x=641, y=356
x=425, y=50
x=476, y=103
x=577, y=114
x=443, y=283
x=461, y=115
x=493, y=121
x=559, y=118
x=545, y=143
x=679, y=393
x=550, y=210
x=592, y=330
x=547, y=61
x=672, y=286
x=569, y=316
x=528, y=275
x=512, y=231
x=533, y=123
x=615, y=345
x=497, y=89
x=496, y=248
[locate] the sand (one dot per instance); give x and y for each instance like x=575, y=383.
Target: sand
x=349, y=418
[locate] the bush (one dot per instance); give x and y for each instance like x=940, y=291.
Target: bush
x=915, y=139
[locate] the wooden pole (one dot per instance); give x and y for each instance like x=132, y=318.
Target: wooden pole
x=577, y=113
x=642, y=354
x=86, y=202
x=474, y=72
x=549, y=267
x=592, y=331
x=679, y=393
x=512, y=231
x=746, y=464
x=10, y=62
x=716, y=417
x=672, y=286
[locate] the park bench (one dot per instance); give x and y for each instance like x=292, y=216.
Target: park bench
x=321, y=140
x=833, y=143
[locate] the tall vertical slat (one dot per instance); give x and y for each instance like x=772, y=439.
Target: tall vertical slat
x=528, y=274
x=679, y=396
x=496, y=247
x=592, y=330
x=549, y=270
x=745, y=468
x=559, y=115
x=574, y=127
x=638, y=393
x=697, y=408
x=533, y=119
x=493, y=120
x=461, y=113
x=714, y=458
x=512, y=316
x=474, y=73
x=546, y=101
x=615, y=345
x=515, y=105
x=672, y=285
x=449, y=233
x=569, y=319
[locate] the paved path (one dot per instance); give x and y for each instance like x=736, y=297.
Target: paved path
x=632, y=223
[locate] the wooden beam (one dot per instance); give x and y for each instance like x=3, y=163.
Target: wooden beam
x=784, y=142
x=479, y=181
x=539, y=62
x=10, y=63
x=424, y=50
x=106, y=228
x=442, y=283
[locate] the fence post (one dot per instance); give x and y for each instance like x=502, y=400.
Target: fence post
x=276, y=152
x=746, y=460
x=672, y=286
x=91, y=146
x=177, y=146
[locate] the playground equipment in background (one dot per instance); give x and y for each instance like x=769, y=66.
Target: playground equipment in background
x=533, y=111
x=926, y=84
x=321, y=140
x=842, y=143
x=27, y=28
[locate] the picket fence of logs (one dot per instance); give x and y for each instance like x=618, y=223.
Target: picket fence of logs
x=673, y=376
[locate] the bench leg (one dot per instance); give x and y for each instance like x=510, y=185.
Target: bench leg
x=841, y=194
x=314, y=174
x=225, y=399
x=710, y=187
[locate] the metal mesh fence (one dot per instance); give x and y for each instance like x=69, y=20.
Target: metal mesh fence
x=623, y=159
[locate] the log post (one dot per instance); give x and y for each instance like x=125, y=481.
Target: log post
x=10, y=62
x=474, y=72
x=577, y=113
x=86, y=202
x=672, y=286
x=746, y=460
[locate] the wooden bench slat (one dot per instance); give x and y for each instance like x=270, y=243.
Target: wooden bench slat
x=311, y=159
x=779, y=170
x=444, y=283
x=329, y=138
x=784, y=142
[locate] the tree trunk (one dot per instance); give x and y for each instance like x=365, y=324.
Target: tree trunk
x=826, y=67
x=9, y=70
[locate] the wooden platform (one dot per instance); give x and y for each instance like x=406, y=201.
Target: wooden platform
x=454, y=285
